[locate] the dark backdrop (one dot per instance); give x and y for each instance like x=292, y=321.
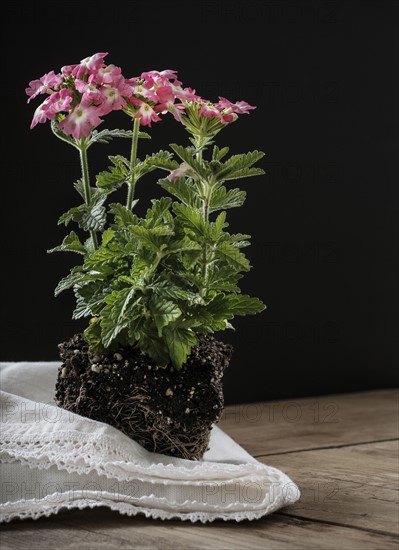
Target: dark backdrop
x=323, y=219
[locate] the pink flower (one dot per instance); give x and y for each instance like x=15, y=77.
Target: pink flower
x=59, y=101
x=209, y=110
x=67, y=70
x=183, y=170
x=142, y=90
x=80, y=122
x=44, y=84
x=42, y=113
x=112, y=99
x=90, y=92
x=145, y=113
x=240, y=107
x=229, y=117
x=106, y=75
x=166, y=97
x=159, y=78
x=186, y=94
x=89, y=64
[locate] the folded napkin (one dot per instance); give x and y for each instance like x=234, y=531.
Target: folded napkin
x=52, y=459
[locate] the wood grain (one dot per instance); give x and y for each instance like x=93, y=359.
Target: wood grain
x=354, y=486
x=329, y=421
x=341, y=451
x=103, y=529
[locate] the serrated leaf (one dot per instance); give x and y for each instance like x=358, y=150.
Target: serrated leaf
x=89, y=299
x=161, y=159
x=222, y=199
x=218, y=154
x=179, y=342
x=115, y=315
x=116, y=175
x=232, y=256
x=107, y=236
x=186, y=154
x=90, y=217
x=163, y=312
x=152, y=238
x=80, y=188
x=217, y=226
x=239, y=165
x=223, y=279
x=93, y=335
x=229, y=305
x=68, y=282
x=191, y=218
x=159, y=212
x=123, y=216
x=106, y=254
x=182, y=189
x=105, y=136
x=71, y=243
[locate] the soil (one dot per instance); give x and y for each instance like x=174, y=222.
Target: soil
x=166, y=411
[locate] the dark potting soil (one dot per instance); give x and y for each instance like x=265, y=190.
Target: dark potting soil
x=166, y=411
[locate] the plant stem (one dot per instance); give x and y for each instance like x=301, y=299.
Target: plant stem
x=133, y=155
x=205, y=213
x=86, y=185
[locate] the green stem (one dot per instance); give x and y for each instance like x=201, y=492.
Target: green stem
x=133, y=155
x=205, y=213
x=86, y=184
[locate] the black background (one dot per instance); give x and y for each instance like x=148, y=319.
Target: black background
x=323, y=219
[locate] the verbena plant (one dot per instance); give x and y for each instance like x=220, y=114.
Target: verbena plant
x=159, y=281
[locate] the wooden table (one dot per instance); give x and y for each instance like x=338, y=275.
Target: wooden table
x=342, y=450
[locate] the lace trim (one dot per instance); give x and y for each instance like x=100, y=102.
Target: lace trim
x=39, y=509
x=75, y=452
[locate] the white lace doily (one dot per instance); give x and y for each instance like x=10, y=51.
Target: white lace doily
x=52, y=459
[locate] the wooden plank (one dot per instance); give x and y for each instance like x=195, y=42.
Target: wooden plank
x=328, y=421
x=102, y=529
x=354, y=486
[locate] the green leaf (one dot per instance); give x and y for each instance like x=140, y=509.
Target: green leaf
x=89, y=299
x=239, y=166
x=186, y=154
x=159, y=212
x=152, y=238
x=222, y=199
x=105, y=254
x=232, y=255
x=116, y=175
x=164, y=312
x=123, y=216
x=182, y=189
x=71, y=243
x=218, y=154
x=223, y=278
x=191, y=218
x=93, y=336
x=179, y=342
x=105, y=136
x=68, y=282
x=217, y=226
x=115, y=315
x=80, y=188
x=161, y=159
x=107, y=236
x=229, y=305
x=90, y=217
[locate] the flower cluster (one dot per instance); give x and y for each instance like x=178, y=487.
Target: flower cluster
x=80, y=95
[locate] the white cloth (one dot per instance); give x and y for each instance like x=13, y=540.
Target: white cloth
x=52, y=459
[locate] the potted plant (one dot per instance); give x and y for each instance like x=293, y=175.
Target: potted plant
x=154, y=287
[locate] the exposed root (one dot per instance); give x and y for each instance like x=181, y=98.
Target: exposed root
x=166, y=411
